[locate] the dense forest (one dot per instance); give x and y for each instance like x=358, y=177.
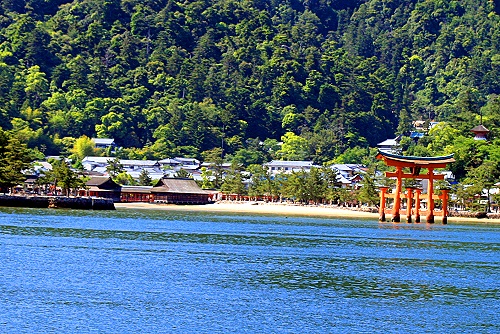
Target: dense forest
x=327, y=78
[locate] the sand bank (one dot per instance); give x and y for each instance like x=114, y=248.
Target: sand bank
x=284, y=210
x=274, y=209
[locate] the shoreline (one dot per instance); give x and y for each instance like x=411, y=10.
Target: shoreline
x=288, y=210
x=56, y=202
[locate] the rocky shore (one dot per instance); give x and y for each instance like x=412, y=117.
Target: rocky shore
x=478, y=215
x=57, y=202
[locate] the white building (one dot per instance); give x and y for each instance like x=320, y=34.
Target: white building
x=90, y=163
x=170, y=164
x=282, y=166
x=104, y=143
x=389, y=145
x=188, y=162
x=139, y=165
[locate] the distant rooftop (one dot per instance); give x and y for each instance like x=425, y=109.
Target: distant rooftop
x=188, y=161
x=103, y=141
x=290, y=163
x=415, y=134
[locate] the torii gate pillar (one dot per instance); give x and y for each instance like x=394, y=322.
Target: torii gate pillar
x=409, y=199
x=415, y=164
x=397, y=196
x=418, y=191
x=383, y=192
x=430, y=199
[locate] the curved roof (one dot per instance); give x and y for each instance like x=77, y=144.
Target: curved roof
x=415, y=161
x=480, y=128
x=177, y=185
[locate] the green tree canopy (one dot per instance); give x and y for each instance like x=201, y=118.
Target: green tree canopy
x=84, y=146
x=15, y=157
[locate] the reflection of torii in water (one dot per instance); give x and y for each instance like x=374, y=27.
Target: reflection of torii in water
x=415, y=164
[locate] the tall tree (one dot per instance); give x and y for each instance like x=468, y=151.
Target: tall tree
x=233, y=182
x=84, y=146
x=15, y=157
x=145, y=179
x=214, y=157
x=483, y=177
x=114, y=167
x=64, y=177
x=368, y=192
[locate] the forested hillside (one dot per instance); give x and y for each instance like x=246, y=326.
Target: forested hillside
x=169, y=78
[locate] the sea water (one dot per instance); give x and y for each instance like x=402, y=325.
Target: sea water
x=146, y=271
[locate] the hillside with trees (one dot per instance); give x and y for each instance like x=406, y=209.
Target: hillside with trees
x=328, y=78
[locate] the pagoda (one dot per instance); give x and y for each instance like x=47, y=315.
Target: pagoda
x=480, y=132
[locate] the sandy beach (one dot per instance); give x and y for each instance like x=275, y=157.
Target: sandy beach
x=285, y=210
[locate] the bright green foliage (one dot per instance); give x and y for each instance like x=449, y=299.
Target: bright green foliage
x=442, y=135
x=37, y=86
x=247, y=157
x=113, y=126
x=84, y=146
x=353, y=155
x=294, y=147
x=206, y=178
x=124, y=179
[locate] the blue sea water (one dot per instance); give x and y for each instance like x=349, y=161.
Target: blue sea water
x=152, y=271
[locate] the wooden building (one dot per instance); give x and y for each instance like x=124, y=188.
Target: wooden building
x=166, y=190
x=179, y=191
x=103, y=186
x=136, y=194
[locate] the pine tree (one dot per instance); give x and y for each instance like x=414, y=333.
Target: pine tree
x=145, y=178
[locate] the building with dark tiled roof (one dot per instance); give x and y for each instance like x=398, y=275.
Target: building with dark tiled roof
x=179, y=191
x=103, y=186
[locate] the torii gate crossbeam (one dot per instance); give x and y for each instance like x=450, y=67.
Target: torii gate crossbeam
x=415, y=164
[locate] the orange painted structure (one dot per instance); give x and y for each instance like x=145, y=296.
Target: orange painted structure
x=413, y=195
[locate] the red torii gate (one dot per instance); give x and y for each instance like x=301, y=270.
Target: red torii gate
x=415, y=164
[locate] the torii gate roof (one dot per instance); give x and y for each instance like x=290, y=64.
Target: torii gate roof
x=411, y=161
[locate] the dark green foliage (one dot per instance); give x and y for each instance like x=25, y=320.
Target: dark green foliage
x=145, y=178
x=368, y=192
x=14, y=158
x=114, y=168
x=215, y=159
x=169, y=78
x=63, y=176
x=183, y=174
x=233, y=181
